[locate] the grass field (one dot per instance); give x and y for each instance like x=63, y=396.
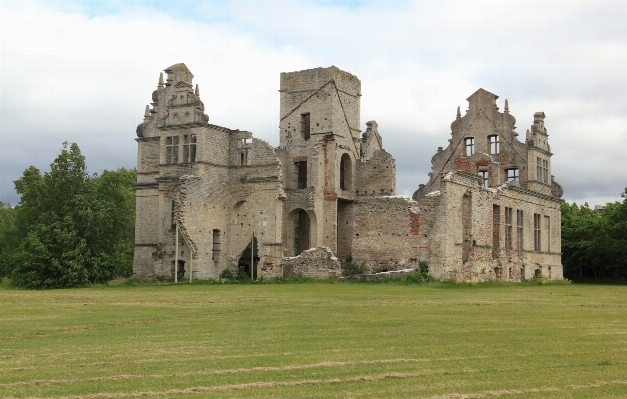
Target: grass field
x=315, y=340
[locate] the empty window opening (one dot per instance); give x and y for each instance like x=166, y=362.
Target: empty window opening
x=345, y=172
x=542, y=170
x=469, y=146
x=305, y=126
x=485, y=177
x=494, y=144
x=172, y=149
x=216, y=245
x=301, y=232
x=243, y=152
x=512, y=175
x=519, y=231
x=466, y=227
x=498, y=272
x=508, y=228
x=189, y=148
x=172, y=217
x=538, y=169
x=496, y=230
x=547, y=229
x=537, y=273
x=302, y=174
x=537, y=245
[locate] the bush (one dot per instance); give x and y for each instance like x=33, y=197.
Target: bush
x=418, y=276
x=351, y=268
x=226, y=275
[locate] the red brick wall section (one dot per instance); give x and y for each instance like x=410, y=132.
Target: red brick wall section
x=415, y=223
x=300, y=159
x=482, y=162
x=330, y=196
x=462, y=164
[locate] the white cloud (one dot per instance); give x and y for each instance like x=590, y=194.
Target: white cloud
x=68, y=76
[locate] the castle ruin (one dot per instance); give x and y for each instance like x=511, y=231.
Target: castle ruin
x=210, y=198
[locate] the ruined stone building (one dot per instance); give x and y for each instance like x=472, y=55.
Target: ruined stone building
x=211, y=198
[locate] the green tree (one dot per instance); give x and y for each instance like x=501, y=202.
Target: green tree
x=9, y=237
x=77, y=227
x=595, y=244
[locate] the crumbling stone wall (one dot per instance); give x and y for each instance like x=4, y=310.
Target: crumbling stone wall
x=316, y=262
x=487, y=258
x=387, y=233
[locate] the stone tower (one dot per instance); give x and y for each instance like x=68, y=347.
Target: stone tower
x=320, y=149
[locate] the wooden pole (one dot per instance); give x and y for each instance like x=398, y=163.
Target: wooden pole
x=176, y=256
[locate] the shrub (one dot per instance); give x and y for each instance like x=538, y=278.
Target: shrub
x=418, y=276
x=350, y=268
x=226, y=275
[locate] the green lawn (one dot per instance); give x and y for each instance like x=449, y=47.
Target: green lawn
x=315, y=340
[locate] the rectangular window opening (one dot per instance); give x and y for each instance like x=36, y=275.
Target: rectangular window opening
x=189, y=148
x=547, y=229
x=537, y=245
x=508, y=228
x=302, y=174
x=512, y=175
x=172, y=217
x=519, y=231
x=172, y=149
x=216, y=245
x=494, y=144
x=469, y=146
x=496, y=229
x=485, y=177
x=305, y=126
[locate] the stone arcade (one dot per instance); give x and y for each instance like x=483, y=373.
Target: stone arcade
x=211, y=198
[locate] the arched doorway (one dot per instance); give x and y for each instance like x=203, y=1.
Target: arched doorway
x=302, y=231
x=249, y=259
x=299, y=231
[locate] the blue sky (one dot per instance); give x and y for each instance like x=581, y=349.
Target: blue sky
x=84, y=72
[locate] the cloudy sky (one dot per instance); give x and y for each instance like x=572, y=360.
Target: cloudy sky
x=84, y=71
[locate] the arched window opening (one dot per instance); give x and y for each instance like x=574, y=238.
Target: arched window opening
x=346, y=175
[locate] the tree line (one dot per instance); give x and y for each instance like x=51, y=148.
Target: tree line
x=70, y=228
x=594, y=243
x=74, y=229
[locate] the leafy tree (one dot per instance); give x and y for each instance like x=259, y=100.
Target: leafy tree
x=595, y=244
x=9, y=236
x=78, y=228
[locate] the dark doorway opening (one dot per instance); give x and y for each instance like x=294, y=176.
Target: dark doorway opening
x=301, y=231
x=248, y=261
